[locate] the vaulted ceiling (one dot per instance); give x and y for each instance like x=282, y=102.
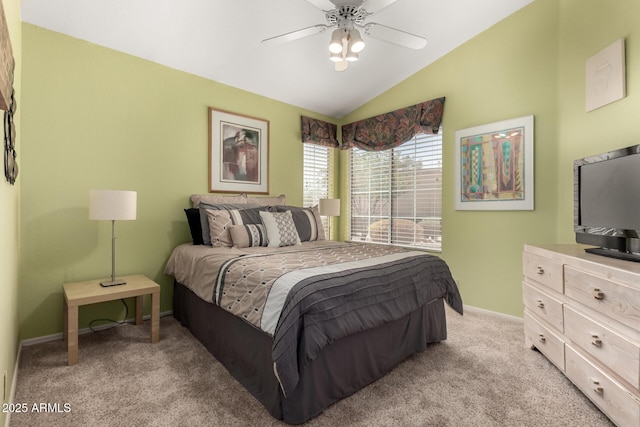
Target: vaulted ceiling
x=221, y=40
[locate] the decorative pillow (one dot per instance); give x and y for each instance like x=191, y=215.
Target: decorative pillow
x=193, y=218
x=248, y=235
x=211, y=199
x=307, y=221
x=220, y=222
x=268, y=201
x=281, y=230
x=204, y=221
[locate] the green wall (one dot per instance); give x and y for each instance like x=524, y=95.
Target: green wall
x=508, y=71
x=588, y=26
x=100, y=119
x=96, y=118
x=531, y=63
x=9, y=227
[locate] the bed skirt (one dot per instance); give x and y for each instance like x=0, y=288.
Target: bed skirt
x=342, y=368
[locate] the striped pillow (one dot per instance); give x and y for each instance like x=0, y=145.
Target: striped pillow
x=307, y=221
x=220, y=221
x=248, y=235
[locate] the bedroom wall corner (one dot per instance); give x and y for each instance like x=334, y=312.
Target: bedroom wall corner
x=507, y=71
x=98, y=118
x=10, y=230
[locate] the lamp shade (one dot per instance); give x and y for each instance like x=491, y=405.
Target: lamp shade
x=329, y=207
x=356, y=44
x=112, y=204
x=335, y=46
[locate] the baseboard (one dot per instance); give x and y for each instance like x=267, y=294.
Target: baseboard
x=496, y=313
x=58, y=336
x=14, y=384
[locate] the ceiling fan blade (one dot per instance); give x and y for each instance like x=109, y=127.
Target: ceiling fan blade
x=297, y=34
x=323, y=4
x=395, y=36
x=375, y=6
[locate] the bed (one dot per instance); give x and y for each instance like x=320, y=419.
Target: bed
x=304, y=325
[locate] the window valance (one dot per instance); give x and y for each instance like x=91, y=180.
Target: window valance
x=392, y=129
x=319, y=132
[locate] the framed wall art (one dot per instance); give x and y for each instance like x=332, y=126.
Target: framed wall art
x=494, y=166
x=238, y=153
x=605, y=78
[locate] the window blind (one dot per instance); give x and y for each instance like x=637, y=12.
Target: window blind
x=316, y=175
x=396, y=195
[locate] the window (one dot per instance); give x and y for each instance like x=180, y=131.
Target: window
x=316, y=175
x=401, y=187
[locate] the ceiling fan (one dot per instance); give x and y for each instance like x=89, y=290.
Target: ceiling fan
x=347, y=16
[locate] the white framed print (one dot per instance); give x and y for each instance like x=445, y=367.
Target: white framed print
x=494, y=166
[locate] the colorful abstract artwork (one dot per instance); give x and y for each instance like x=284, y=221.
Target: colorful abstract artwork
x=494, y=166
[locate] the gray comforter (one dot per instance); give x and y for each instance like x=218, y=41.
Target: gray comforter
x=308, y=296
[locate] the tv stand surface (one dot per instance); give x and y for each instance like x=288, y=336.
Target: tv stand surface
x=612, y=253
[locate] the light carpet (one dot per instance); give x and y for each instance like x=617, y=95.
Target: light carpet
x=482, y=375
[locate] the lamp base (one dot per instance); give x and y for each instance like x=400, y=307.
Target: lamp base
x=113, y=283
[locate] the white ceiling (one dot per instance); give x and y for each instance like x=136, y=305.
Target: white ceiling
x=220, y=40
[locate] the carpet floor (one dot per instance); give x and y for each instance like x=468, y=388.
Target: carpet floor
x=482, y=375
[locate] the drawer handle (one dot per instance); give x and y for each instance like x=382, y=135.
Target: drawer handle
x=542, y=339
x=540, y=270
x=598, y=388
x=596, y=341
x=598, y=294
x=540, y=304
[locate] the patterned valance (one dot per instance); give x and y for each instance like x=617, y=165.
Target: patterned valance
x=318, y=132
x=392, y=129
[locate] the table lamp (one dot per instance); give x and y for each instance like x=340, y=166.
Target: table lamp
x=112, y=205
x=329, y=208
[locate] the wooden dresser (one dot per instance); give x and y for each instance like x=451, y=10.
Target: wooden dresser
x=582, y=311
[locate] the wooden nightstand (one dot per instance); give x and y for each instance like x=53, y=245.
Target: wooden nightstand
x=90, y=292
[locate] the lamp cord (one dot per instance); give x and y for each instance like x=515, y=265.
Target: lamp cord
x=115, y=322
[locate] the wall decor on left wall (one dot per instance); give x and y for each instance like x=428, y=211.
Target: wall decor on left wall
x=7, y=100
x=238, y=153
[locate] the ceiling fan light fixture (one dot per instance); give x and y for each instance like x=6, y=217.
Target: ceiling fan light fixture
x=356, y=44
x=351, y=56
x=335, y=46
x=341, y=65
x=336, y=57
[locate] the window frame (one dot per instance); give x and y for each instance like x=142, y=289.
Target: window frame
x=431, y=227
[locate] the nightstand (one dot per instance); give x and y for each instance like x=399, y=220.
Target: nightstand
x=90, y=292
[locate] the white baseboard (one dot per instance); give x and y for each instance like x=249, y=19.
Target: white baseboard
x=483, y=310
x=53, y=337
x=58, y=336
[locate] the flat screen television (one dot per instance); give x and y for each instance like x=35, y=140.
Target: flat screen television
x=607, y=203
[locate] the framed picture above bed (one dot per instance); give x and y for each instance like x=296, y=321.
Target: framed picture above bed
x=238, y=153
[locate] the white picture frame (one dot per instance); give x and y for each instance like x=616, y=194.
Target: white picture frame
x=494, y=166
x=238, y=153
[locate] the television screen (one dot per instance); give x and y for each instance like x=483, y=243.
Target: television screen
x=610, y=193
x=607, y=203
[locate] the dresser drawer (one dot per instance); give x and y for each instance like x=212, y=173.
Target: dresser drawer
x=621, y=405
x=543, y=305
x=543, y=270
x=617, y=352
x=615, y=300
x=541, y=337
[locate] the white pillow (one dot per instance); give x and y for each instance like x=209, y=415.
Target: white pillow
x=281, y=230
